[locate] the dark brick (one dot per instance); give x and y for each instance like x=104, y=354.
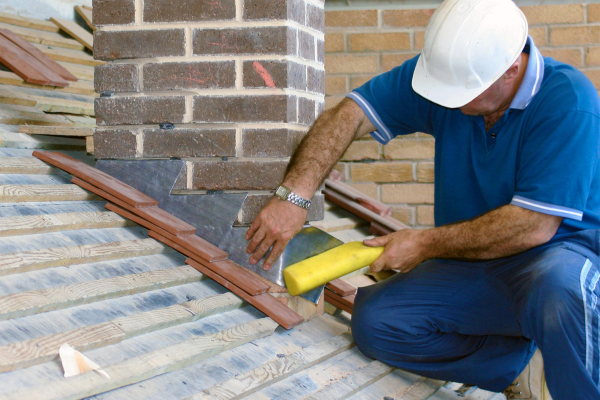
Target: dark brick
x=320, y=51
x=270, y=142
x=273, y=73
x=119, y=143
x=267, y=108
x=315, y=17
x=270, y=10
x=114, y=45
x=255, y=202
x=113, y=12
x=260, y=40
x=189, y=75
x=188, y=10
x=306, y=111
x=307, y=45
x=139, y=110
x=238, y=175
x=320, y=107
x=315, y=80
x=116, y=78
x=164, y=143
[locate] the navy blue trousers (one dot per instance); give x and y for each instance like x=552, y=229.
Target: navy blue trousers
x=480, y=322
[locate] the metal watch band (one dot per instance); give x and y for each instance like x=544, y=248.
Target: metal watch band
x=297, y=200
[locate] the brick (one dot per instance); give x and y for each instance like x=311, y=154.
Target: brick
x=592, y=56
x=389, y=61
x=188, y=10
x=341, y=168
x=238, y=175
x=189, y=75
x=274, y=73
x=270, y=142
x=113, y=12
x=267, y=108
x=538, y=35
x=306, y=45
x=254, y=203
x=554, y=14
x=165, y=143
x=116, y=78
x=119, y=143
x=334, y=42
x=381, y=172
x=569, y=56
x=419, y=40
x=256, y=40
x=320, y=51
x=344, y=19
x=594, y=76
x=358, y=81
x=269, y=10
x=574, y=35
x=379, y=41
x=425, y=172
x=409, y=193
x=425, y=215
x=315, y=80
x=361, y=150
x=332, y=101
x=403, y=214
x=306, y=111
x=139, y=110
x=335, y=85
x=114, y=45
x=315, y=17
x=407, y=18
x=593, y=12
x=370, y=189
x=402, y=148
x=350, y=64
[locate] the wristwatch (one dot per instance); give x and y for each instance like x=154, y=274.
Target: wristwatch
x=285, y=193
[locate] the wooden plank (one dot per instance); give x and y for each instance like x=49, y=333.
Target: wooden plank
x=86, y=15
x=22, y=193
x=348, y=301
x=14, y=263
x=82, y=121
x=76, y=31
x=22, y=141
x=45, y=223
x=148, y=365
x=46, y=104
x=340, y=287
x=275, y=370
x=194, y=243
x=83, y=72
x=21, y=304
x=56, y=131
x=349, y=385
x=89, y=144
x=337, y=304
x=162, y=219
x=41, y=37
x=70, y=56
x=81, y=87
x=25, y=165
x=227, y=269
x=21, y=115
x=18, y=61
x=264, y=302
x=42, y=349
x=38, y=55
x=359, y=197
x=339, y=224
x=87, y=7
x=97, y=178
x=27, y=22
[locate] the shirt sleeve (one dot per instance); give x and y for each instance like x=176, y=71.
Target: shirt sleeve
x=557, y=164
x=392, y=105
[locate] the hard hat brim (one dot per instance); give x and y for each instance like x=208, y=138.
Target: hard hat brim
x=442, y=93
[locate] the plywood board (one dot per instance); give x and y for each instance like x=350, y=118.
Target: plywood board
x=86, y=15
x=71, y=56
x=27, y=22
x=56, y=131
x=76, y=31
x=83, y=72
x=46, y=104
x=80, y=87
x=25, y=165
x=46, y=38
x=15, y=116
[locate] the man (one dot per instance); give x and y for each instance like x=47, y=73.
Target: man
x=513, y=261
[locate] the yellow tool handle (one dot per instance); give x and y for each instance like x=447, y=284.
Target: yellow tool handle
x=329, y=265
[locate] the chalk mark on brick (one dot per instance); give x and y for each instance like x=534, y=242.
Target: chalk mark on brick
x=258, y=67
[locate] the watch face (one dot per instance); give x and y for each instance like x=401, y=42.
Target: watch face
x=282, y=192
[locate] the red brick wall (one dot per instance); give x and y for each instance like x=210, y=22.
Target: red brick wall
x=360, y=44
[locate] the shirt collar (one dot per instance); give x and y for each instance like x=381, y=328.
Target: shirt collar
x=534, y=74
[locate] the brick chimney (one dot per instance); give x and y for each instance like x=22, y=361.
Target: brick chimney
x=241, y=81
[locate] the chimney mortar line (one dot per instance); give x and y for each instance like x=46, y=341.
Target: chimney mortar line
x=139, y=11
x=188, y=117
x=217, y=58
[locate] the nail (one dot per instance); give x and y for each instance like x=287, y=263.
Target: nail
x=252, y=261
x=267, y=267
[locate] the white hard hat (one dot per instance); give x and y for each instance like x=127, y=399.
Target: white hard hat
x=469, y=44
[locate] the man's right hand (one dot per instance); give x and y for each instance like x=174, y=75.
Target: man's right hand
x=275, y=226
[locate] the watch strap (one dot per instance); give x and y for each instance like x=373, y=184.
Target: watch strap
x=297, y=200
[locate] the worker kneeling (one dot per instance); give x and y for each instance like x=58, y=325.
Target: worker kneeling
x=512, y=264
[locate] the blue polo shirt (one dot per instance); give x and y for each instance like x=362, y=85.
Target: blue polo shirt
x=541, y=155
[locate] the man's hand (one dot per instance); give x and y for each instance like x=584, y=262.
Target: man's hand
x=404, y=250
x=275, y=226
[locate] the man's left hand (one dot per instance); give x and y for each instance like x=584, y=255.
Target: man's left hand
x=404, y=250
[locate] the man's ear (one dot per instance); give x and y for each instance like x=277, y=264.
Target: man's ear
x=511, y=74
